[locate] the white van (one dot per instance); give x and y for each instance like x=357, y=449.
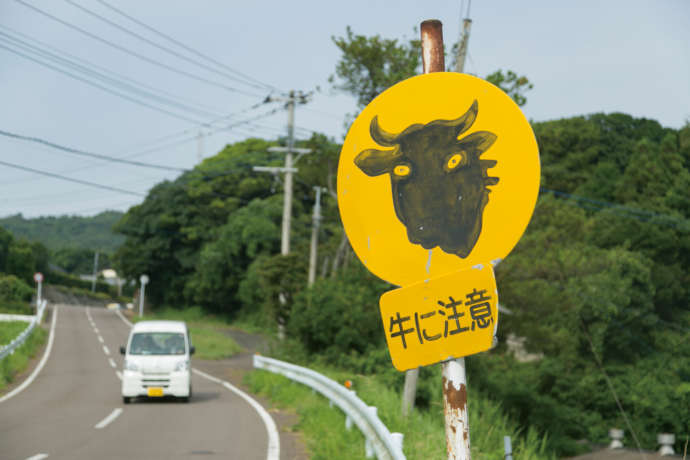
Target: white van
x=157, y=361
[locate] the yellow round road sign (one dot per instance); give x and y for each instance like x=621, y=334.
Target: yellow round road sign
x=437, y=174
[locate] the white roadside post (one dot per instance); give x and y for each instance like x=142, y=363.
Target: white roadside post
x=143, y=279
x=38, y=277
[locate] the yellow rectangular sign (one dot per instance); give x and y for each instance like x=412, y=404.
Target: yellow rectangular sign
x=448, y=317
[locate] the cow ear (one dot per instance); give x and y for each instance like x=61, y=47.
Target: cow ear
x=375, y=162
x=477, y=143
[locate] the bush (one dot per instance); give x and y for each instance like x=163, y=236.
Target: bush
x=12, y=289
x=339, y=317
x=74, y=282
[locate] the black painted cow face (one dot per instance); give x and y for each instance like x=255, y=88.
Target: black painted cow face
x=439, y=182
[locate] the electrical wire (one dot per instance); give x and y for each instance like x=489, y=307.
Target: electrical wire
x=134, y=53
x=621, y=210
x=613, y=391
x=69, y=179
x=89, y=154
x=65, y=56
x=191, y=50
x=161, y=47
x=101, y=77
x=103, y=88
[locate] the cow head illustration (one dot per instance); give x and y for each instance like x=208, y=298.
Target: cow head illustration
x=439, y=183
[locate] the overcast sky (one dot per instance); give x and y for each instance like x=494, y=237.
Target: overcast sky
x=588, y=56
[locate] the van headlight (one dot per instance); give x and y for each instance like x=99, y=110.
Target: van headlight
x=130, y=366
x=182, y=366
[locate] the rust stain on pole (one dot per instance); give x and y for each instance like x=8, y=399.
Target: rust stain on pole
x=432, y=46
x=457, y=399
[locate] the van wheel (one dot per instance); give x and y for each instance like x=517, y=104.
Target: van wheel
x=126, y=399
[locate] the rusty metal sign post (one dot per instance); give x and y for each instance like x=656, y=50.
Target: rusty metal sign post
x=454, y=377
x=438, y=177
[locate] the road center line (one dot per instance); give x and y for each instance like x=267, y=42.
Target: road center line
x=119, y=374
x=112, y=363
x=105, y=350
x=100, y=339
x=38, y=457
x=113, y=415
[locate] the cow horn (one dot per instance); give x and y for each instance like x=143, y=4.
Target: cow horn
x=380, y=136
x=463, y=123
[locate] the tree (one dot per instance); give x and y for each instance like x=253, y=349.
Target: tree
x=370, y=65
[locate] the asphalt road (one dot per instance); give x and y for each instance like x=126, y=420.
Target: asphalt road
x=74, y=409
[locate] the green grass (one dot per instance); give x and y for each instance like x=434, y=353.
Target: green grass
x=11, y=329
x=17, y=308
x=322, y=426
x=17, y=362
x=423, y=429
x=206, y=331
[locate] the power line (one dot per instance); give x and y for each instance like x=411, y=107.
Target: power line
x=69, y=179
x=613, y=391
x=621, y=210
x=107, y=90
x=191, y=50
x=161, y=47
x=165, y=146
x=89, y=154
x=134, y=53
x=99, y=76
x=104, y=71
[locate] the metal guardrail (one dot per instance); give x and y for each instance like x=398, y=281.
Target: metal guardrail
x=21, y=338
x=379, y=440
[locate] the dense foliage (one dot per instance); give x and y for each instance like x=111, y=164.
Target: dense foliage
x=20, y=257
x=598, y=285
x=68, y=231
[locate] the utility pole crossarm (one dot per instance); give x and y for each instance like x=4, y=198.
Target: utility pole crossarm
x=274, y=169
x=288, y=169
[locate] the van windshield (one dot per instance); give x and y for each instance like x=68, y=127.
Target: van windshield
x=157, y=343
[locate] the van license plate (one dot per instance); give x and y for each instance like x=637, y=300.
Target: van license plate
x=155, y=391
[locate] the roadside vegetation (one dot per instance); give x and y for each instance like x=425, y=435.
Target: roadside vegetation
x=598, y=286
x=206, y=331
x=424, y=436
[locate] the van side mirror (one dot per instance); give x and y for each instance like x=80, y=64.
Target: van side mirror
x=192, y=350
x=122, y=350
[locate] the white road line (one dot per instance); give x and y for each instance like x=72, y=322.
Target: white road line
x=122, y=317
x=112, y=363
x=113, y=415
x=100, y=339
x=105, y=350
x=273, y=437
x=273, y=452
x=41, y=363
x=38, y=457
x=95, y=329
x=119, y=375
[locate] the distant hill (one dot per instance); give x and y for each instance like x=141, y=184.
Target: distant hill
x=68, y=231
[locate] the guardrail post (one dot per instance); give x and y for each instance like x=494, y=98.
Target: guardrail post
x=368, y=445
x=397, y=439
x=507, y=448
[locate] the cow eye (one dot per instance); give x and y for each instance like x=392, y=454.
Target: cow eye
x=454, y=161
x=401, y=170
